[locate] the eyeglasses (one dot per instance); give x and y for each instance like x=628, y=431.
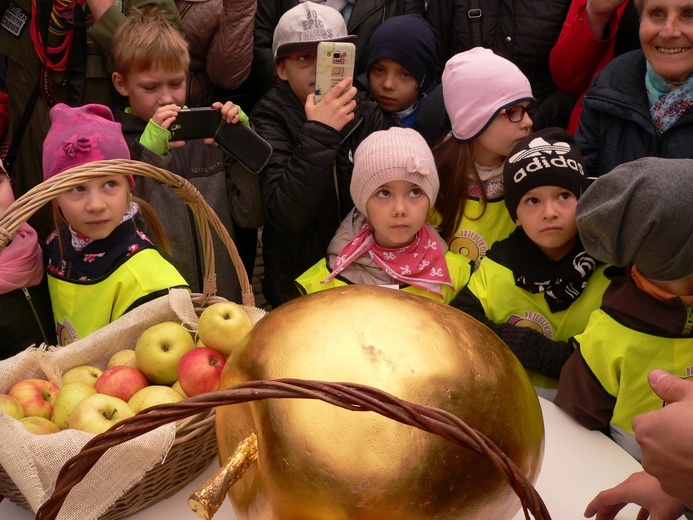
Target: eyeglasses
x=517, y=113
x=304, y=58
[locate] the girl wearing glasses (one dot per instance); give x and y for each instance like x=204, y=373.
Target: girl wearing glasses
x=489, y=102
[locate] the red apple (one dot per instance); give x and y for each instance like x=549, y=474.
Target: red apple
x=199, y=370
x=120, y=381
x=37, y=397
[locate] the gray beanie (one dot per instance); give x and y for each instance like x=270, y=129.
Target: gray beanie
x=641, y=213
x=397, y=154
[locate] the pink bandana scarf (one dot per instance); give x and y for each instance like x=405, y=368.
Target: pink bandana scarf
x=21, y=262
x=420, y=264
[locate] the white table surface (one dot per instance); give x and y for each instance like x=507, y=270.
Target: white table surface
x=578, y=463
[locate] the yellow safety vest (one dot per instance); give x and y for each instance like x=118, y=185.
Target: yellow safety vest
x=504, y=302
x=81, y=307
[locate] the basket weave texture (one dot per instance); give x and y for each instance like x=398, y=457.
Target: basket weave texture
x=144, y=470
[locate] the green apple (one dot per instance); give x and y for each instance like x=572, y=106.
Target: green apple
x=125, y=357
x=68, y=397
x=97, y=413
x=222, y=326
x=153, y=395
x=158, y=350
x=39, y=425
x=11, y=406
x=84, y=373
x=36, y=396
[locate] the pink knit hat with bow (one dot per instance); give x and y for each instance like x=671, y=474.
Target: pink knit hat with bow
x=397, y=154
x=477, y=85
x=80, y=135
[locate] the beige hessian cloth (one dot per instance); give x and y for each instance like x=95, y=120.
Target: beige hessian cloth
x=33, y=461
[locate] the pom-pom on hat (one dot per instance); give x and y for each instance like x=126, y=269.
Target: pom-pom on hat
x=305, y=25
x=410, y=41
x=477, y=85
x=80, y=135
x=640, y=213
x=397, y=154
x=548, y=157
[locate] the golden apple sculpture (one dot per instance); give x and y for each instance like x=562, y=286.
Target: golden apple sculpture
x=316, y=461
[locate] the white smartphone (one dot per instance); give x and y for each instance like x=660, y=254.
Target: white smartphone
x=335, y=61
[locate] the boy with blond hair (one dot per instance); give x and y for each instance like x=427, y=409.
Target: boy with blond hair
x=305, y=185
x=150, y=63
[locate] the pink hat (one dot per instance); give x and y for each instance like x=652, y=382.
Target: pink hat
x=82, y=135
x=477, y=84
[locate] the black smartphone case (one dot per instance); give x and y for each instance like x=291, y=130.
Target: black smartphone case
x=195, y=123
x=244, y=145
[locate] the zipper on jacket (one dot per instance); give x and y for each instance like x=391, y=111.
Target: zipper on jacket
x=36, y=316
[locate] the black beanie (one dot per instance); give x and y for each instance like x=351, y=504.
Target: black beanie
x=410, y=41
x=548, y=157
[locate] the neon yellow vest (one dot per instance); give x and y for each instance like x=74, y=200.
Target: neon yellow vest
x=80, y=308
x=476, y=235
x=459, y=267
x=620, y=358
x=505, y=302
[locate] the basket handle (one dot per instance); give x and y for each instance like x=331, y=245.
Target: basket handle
x=350, y=396
x=26, y=205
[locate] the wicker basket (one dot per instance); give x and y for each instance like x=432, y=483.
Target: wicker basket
x=195, y=441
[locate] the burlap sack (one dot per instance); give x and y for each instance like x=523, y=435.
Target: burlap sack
x=33, y=461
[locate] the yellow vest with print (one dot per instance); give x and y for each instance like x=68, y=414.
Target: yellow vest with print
x=80, y=308
x=504, y=302
x=475, y=234
x=621, y=358
x=458, y=266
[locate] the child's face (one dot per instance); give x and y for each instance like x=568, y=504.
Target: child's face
x=393, y=86
x=547, y=215
x=6, y=194
x=500, y=137
x=397, y=211
x=148, y=90
x=298, y=69
x=96, y=207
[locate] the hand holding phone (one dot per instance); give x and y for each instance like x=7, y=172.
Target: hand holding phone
x=195, y=123
x=337, y=108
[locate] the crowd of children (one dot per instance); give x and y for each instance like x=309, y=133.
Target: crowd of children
x=436, y=186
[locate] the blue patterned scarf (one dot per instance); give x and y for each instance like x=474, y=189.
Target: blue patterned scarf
x=668, y=101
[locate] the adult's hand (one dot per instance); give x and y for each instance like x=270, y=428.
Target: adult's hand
x=666, y=436
x=599, y=12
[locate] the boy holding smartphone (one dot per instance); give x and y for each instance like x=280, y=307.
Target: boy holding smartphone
x=305, y=185
x=150, y=63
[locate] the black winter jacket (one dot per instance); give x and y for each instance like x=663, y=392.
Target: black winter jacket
x=305, y=185
x=207, y=168
x=26, y=318
x=522, y=31
x=616, y=126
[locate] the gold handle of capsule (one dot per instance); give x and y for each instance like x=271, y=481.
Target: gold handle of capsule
x=207, y=500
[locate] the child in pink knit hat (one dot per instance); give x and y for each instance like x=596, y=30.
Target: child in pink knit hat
x=387, y=239
x=489, y=102
x=99, y=264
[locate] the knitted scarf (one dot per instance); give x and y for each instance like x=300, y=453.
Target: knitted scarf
x=21, y=263
x=668, y=101
x=562, y=281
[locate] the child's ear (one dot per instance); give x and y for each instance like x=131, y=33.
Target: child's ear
x=119, y=84
x=281, y=70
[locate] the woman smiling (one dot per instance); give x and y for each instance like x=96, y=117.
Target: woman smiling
x=641, y=104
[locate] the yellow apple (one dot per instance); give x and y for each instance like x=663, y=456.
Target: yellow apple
x=158, y=350
x=125, y=357
x=11, y=406
x=39, y=425
x=37, y=396
x=176, y=386
x=222, y=326
x=84, y=373
x=97, y=413
x=68, y=397
x=153, y=395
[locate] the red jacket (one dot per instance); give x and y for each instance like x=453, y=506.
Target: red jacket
x=578, y=56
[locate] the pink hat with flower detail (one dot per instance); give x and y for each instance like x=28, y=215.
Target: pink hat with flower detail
x=80, y=135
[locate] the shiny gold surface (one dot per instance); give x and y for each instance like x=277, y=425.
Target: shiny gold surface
x=320, y=462
x=207, y=500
